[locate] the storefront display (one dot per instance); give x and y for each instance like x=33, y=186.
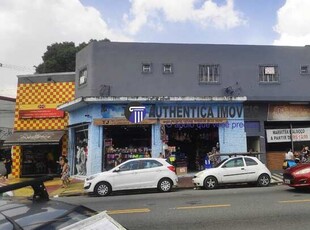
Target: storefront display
x=81, y=150
x=126, y=142
x=39, y=160
x=124, y=154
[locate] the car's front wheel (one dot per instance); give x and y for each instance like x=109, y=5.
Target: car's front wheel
x=103, y=189
x=210, y=182
x=263, y=180
x=165, y=185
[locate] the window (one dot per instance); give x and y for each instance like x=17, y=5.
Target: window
x=250, y=162
x=268, y=73
x=83, y=77
x=150, y=164
x=209, y=73
x=237, y=162
x=146, y=68
x=167, y=69
x=304, y=69
x=132, y=165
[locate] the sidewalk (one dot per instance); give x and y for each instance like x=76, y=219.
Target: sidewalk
x=53, y=187
x=75, y=188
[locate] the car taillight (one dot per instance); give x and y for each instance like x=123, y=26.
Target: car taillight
x=172, y=168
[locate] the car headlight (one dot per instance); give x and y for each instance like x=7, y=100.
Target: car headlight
x=303, y=171
x=91, y=177
x=199, y=174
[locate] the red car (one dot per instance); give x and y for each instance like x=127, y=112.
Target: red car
x=297, y=176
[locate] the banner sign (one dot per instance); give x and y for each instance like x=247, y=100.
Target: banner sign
x=284, y=135
x=178, y=111
x=40, y=111
x=288, y=112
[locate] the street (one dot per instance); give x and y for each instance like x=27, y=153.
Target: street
x=274, y=207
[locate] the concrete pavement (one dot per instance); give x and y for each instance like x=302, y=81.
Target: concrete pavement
x=75, y=188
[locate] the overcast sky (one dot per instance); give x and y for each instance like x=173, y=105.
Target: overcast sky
x=28, y=27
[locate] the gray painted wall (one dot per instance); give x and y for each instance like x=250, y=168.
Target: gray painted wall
x=119, y=65
x=7, y=111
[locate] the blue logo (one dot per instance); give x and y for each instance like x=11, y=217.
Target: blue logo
x=135, y=112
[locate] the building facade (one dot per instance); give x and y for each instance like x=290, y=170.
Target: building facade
x=40, y=130
x=264, y=87
x=7, y=110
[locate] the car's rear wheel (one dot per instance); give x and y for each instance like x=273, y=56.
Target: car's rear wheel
x=263, y=180
x=165, y=185
x=103, y=189
x=210, y=182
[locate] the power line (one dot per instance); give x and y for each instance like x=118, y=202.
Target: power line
x=16, y=67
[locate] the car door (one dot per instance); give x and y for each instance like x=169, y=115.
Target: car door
x=233, y=171
x=125, y=177
x=252, y=169
x=150, y=171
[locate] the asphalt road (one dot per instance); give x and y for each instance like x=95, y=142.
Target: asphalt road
x=274, y=207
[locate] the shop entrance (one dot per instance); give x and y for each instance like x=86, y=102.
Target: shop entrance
x=126, y=141
x=38, y=160
x=193, y=141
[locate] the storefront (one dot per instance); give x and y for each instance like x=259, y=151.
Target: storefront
x=39, y=135
x=39, y=151
x=287, y=127
x=129, y=128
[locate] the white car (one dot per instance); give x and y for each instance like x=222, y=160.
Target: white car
x=138, y=173
x=240, y=169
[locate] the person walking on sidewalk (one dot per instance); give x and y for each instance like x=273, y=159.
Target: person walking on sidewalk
x=8, y=167
x=65, y=173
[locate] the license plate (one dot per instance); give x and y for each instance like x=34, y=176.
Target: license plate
x=287, y=181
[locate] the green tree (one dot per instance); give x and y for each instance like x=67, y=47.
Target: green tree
x=60, y=57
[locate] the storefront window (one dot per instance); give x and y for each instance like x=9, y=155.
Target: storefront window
x=81, y=150
x=126, y=142
x=40, y=159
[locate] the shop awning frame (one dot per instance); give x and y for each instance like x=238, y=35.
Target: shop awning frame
x=35, y=138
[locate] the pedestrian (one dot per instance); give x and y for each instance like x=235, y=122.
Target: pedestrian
x=50, y=162
x=8, y=166
x=148, y=154
x=305, y=154
x=289, y=159
x=65, y=173
x=118, y=160
x=2, y=169
x=161, y=155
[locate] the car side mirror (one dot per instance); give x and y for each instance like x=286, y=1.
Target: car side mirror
x=116, y=169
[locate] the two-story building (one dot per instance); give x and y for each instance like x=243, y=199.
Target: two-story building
x=138, y=97
x=40, y=130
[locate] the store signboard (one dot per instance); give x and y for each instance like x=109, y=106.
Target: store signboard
x=284, y=135
x=120, y=121
x=179, y=110
x=40, y=111
x=288, y=112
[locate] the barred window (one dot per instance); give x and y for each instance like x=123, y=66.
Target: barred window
x=146, y=67
x=304, y=70
x=167, y=69
x=83, y=77
x=209, y=73
x=268, y=73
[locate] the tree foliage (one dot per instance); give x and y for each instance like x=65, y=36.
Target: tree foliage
x=60, y=57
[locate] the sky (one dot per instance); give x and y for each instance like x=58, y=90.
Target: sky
x=28, y=27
